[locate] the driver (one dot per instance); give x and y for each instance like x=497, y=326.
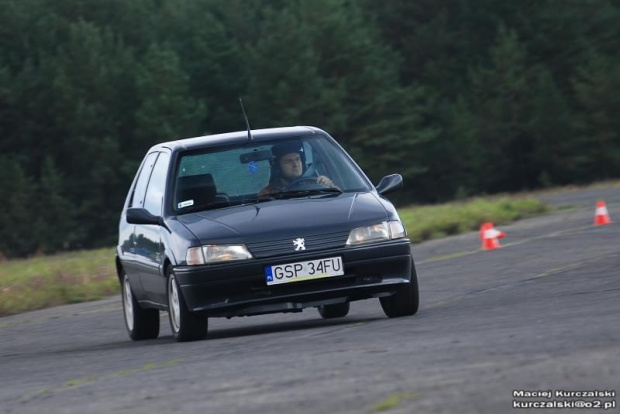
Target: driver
x=288, y=164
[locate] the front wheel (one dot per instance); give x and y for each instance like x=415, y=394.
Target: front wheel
x=337, y=310
x=405, y=301
x=185, y=325
x=141, y=323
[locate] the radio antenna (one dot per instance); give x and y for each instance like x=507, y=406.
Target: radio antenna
x=246, y=121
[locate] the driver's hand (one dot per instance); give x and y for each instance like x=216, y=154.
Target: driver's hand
x=321, y=179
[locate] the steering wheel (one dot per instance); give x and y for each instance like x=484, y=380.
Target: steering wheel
x=303, y=182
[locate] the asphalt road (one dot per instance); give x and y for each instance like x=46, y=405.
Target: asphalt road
x=540, y=314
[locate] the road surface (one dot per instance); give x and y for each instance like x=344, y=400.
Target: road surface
x=541, y=314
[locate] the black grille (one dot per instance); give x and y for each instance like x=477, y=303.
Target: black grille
x=286, y=246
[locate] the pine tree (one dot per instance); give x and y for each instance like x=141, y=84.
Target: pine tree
x=165, y=110
x=596, y=85
x=285, y=87
x=55, y=226
x=327, y=68
x=497, y=104
x=210, y=54
x=552, y=132
x=17, y=191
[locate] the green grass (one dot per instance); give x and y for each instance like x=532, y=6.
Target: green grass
x=432, y=222
x=395, y=400
x=45, y=281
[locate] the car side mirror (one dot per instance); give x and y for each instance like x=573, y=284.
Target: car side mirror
x=142, y=216
x=390, y=183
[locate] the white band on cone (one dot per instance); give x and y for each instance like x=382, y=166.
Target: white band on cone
x=601, y=211
x=491, y=234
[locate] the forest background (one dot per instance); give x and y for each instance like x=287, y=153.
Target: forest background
x=462, y=97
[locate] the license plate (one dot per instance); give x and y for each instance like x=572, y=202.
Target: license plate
x=297, y=272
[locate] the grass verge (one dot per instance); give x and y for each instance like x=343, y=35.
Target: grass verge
x=433, y=222
x=46, y=281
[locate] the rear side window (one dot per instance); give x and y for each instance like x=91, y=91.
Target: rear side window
x=157, y=185
x=137, y=200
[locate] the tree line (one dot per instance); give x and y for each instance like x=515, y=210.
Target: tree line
x=462, y=97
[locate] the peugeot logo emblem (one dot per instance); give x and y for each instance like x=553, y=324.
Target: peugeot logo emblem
x=300, y=244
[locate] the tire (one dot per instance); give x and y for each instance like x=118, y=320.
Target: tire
x=405, y=301
x=185, y=325
x=140, y=323
x=337, y=310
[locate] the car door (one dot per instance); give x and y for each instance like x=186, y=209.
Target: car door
x=127, y=236
x=149, y=256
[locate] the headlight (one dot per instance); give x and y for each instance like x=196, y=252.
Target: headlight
x=216, y=253
x=397, y=230
x=369, y=234
x=387, y=230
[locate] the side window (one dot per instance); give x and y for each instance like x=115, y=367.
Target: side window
x=143, y=179
x=331, y=161
x=157, y=185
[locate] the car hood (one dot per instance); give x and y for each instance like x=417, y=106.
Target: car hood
x=279, y=219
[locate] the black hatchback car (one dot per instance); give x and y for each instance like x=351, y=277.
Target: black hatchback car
x=239, y=224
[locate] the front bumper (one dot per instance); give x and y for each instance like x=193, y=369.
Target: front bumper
x=240, y=288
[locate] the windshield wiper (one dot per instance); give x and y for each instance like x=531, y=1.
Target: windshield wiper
x=210, y=206
x=266, y=197
x=305, y=193
x=225, y=203
x=218, y=204
x=259, y=199
x=253, y=200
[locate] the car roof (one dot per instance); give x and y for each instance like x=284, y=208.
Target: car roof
x=235, y=137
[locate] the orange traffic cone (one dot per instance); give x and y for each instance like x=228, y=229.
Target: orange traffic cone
x=489, y=236
x=601, y=216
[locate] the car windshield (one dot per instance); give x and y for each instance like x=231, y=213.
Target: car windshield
x=254, y=172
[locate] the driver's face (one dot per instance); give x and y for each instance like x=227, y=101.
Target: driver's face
x=291, y=167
